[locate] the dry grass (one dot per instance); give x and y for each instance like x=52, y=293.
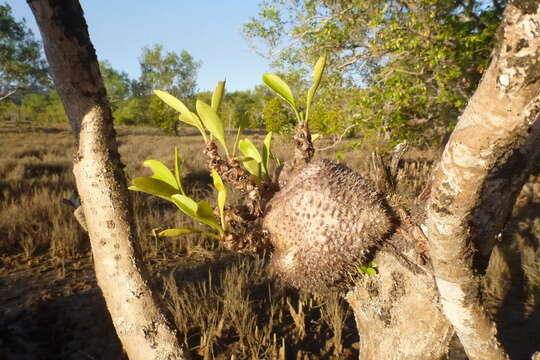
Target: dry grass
x=239, y=310
x=225, y=305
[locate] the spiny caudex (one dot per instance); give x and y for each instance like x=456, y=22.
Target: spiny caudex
x=322, y=220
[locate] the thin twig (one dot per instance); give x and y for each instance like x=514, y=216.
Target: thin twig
x=8, y=94
x=338, y=140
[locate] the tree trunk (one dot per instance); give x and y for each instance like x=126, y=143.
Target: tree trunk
x=486, y=160
x=136, y=312
x=397, y=313
x=484, y=166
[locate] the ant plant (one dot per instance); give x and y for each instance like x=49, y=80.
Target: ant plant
x=238, y=227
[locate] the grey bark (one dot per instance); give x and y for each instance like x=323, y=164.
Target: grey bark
x=397, y=313
x=484, y=165
x=135, y=310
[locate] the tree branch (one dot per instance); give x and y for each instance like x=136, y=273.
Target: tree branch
x=137, y=312
x=338, y=140
x=492, y=131
x=8, y=94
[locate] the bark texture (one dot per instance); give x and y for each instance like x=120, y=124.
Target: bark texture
x=397, y=313
x=138, y=318
x=484, y=165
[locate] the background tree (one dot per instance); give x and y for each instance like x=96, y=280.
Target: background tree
x=21, y=63
x=276, y=116
x=117, y=84
x=129, y=105
x=418, y=60
x=173, y=72
x=133, y=111
x=239, y=107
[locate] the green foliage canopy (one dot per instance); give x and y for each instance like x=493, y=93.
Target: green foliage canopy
x=414, y=63
x=175, y=73
x=21, y=63
x=117, y=83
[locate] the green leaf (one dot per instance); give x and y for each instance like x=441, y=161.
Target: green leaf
x=314, y=137
x=205, y=211
x=237, y=138
x=252, y=166
x=186, y=204
x=249, y=150
x=201, y=211
x=371, y=271
x=280, y=87
x=187, y=119
x=178, y=170
x=212, y=122
x=161, y=172
x=205, y=214
x=317, y=76
x=310, y=95
x=252, y=160
x=217, y=96
x=222, y=197
x=153, y=187
x=192, y=119
x=218, y=183
x=318, y=71
x=183, y=231
x=266, y=152
x=172, y=101
x=178, y=232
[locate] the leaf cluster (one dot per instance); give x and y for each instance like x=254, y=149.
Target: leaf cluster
x=283, y=90
x=211, y=126
x=167, y=185
x=369, y=269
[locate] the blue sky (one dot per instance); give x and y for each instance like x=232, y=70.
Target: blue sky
x=210, y=30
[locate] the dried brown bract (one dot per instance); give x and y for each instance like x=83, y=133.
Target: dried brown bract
x=304, y=147
x=232, y=173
